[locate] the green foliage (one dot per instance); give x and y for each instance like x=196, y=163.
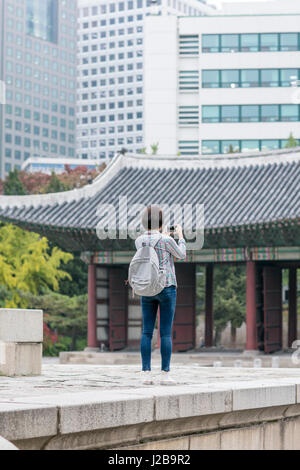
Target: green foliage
x=78, y=271
x=231, y=150
x=67, y=316
x=229, y=297
x=27, y=264
x=5, y=295
x=292, y=142
x=229, y=300
x=143, y=150
x=154, y=148
x=55, y=185
x=13, y=185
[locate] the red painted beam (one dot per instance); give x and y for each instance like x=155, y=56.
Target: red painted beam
x=251, y=306
x=292, y=322
x=209, y=320
x=92, y=315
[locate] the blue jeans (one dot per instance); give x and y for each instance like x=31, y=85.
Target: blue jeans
x=166, y=300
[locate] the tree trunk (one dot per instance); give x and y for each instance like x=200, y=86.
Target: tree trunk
x=233, y=335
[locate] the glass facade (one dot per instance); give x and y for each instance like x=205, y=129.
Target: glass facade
x=42, y=19
x=251, y=113
x=250, y=78
x=263, y=42
x=40, y=75
x=215, y=147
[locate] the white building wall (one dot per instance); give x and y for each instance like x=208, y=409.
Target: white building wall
x=161, y=65
x=257, y=7
x=163, y=70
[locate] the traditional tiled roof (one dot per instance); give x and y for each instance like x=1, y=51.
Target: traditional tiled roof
x=246, y=198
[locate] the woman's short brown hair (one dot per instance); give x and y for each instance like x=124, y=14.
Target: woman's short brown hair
x=152, y=218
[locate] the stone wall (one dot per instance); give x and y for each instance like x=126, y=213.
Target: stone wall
x=233, y=415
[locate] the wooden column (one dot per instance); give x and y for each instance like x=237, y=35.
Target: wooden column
x=92, y=314
x=251, y=306
x=209, y=320
x=292, y=322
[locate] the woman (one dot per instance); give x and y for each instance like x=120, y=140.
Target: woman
x=166, y=249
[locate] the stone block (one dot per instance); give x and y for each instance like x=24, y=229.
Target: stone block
x=292, y=410
x=272, y=436
x=21, y=421
x=192, y=402
x=249, y=438
x=90, y=411
x=21, y=359
x=21, y=326
x=263, y=396
x=298, y=393
x=209, y=441
x=291, y=434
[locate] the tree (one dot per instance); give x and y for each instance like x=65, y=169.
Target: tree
x=229, y=301
x=292, y=142
x=13, y=186
x=231, y=149
x=229, y=298
x=143, y=150
x=63, y=315
x=27, y=264
x=78, y=272
x=154, y=148
x=55, y=185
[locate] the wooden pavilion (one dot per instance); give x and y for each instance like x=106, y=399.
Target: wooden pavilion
x=252, y=216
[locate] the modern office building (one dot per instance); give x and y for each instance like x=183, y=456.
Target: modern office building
x=38, y=66
x=58, y=165
x=222, y=84
x=110, y=93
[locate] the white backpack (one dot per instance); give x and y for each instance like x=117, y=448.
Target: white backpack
x=145, y=275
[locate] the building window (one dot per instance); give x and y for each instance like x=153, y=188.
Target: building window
x=251, y=113
x=249, y=78
x=210, y=43
x=210, y=146
x=270, y=78
x=264, y=42
x=249, y=42
x=289, y=42
x=270, y=113
x=229, y=42
x=42, y=19
x=210, y=114
x=229, y=78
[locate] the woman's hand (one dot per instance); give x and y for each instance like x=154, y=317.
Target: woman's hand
x=178, y=231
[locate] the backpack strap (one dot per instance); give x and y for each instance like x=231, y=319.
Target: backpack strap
x=153, y=243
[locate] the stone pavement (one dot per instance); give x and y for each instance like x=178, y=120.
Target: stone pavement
x=202, y=358
x=72, y=378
